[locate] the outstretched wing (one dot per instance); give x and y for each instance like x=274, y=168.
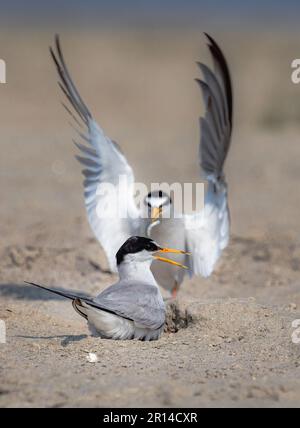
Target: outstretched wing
x=216, y=125
x=109, y=179
x=207, y=232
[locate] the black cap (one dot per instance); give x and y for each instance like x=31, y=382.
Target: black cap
x=135, y=244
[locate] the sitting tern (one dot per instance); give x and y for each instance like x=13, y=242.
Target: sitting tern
x=132, y=308
x=204, y=234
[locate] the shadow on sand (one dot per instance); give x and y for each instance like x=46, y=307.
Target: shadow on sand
x=66, y=339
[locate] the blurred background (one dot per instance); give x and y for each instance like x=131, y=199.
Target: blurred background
x=134, y=63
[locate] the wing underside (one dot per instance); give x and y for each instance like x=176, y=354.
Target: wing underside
x=207, y=232
x=111, y=210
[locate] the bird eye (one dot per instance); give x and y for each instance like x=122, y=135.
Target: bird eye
x=150, y=247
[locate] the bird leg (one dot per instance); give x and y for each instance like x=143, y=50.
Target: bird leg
x=175, y=290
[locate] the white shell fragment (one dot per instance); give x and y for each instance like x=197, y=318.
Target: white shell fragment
x=92, y=358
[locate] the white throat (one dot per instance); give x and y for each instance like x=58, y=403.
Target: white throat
x=137, y=270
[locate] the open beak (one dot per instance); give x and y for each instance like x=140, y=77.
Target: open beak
x=155, y=213
x=171, y=250
x=172, y=262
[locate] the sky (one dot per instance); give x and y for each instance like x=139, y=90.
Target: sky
x=150, y=13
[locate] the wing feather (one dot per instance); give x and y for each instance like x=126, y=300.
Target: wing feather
x=103, y=163
x=218, y=99
x=140, y=302
x=207, y=232
x=134, y=301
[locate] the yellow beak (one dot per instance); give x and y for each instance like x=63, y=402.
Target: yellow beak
x=172, y=262
x=155, y=213
x=171, y=250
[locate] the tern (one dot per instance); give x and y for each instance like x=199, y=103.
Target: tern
x=204, y=234
x=132, y=308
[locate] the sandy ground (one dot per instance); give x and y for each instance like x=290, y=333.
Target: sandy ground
x=229, y=337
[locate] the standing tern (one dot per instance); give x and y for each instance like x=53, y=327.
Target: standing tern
x=132, y=308
x=204, y=234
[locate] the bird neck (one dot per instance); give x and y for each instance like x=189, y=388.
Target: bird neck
x=137, y=271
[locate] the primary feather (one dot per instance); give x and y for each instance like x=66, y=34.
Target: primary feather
x=207, y=232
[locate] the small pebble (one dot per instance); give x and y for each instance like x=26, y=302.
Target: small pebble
x=92, y=358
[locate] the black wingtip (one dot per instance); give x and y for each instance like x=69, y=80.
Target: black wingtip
x=200, y=65
x=64, y=294
x=36, y=285
x=57, y=44
x=213, y=44
x=52, y=53
x=219, y=57
x=57, y=40
x=210, y=39
x=201, y=84
x=58, y=48
x=30, y=283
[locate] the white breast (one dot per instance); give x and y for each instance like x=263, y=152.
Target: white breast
x=169, y=233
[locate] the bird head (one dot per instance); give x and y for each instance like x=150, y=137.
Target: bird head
x=158, y=204
x=139, y=249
